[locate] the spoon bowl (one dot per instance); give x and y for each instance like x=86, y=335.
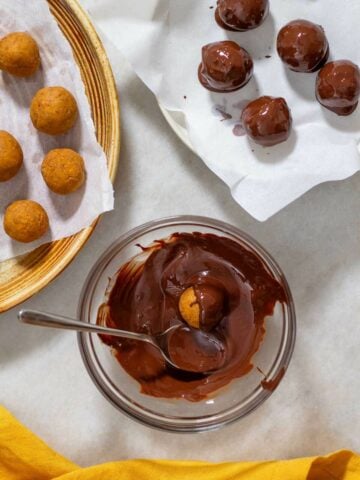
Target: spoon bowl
x=182, y=347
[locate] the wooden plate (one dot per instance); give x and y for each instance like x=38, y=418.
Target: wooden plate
x=22, y=277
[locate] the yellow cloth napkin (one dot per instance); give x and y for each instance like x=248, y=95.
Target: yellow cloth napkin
x=23, y=456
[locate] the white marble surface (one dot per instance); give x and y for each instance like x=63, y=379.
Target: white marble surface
x=316, y=240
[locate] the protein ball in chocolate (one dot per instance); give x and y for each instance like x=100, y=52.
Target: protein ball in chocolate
x=241, y=15
x=338, y=87
x=303, y=46
x=225, y=66
x=267, y=121
x=202, y=306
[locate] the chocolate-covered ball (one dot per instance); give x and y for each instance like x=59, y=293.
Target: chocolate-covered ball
x=241, y=15
x=202, y=306
x=303, y=46
x=225, y=66
x=267, y=121
x=338, y=87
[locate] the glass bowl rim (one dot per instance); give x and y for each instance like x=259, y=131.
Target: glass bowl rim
x=190, y=424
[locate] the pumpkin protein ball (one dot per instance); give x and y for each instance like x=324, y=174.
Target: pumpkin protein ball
x=303, y=46
x=19, y=54
x=11, y=156
x=25, y=221
x=338, y=87
x=202, y=306
x=63, y=171
x=241, y=15
x=53, y=110
x=225, y=67
x=267, y=120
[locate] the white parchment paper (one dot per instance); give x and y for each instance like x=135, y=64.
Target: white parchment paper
x=69, y=214
x=163, y=40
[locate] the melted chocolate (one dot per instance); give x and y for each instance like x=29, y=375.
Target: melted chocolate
x=338, y=87
x=238, y=130
x=272, y=385
x=303, y=46
x=196, y=351
x=267, y=121
x=225, y=66
x=145, y=298
x=241, y=15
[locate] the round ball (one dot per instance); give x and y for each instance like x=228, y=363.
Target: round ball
x=11, y=156
x=63, y=171
x=202, y=306
x=53, y=110
x=303, y=46
x=267, y=121
x=25, y=221
x=338, y=87
x=19, y=54
x=241, y=15
x=225, y=66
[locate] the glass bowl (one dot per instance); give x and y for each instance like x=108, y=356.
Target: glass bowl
x=238, y=398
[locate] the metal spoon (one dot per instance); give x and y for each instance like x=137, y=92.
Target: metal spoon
x=161, y=341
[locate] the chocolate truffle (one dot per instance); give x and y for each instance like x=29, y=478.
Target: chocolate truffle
x=63, y=171
x=241, y=15
x=303, y=46
x=267, y=121
x=202, y=306
x=225, y=66
x=338, y=87
x=53, y=110
x=11, y=156
x=19, y=54
x=25, y=221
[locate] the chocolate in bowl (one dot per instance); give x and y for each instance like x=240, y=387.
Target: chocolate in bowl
x=145, y=299
x=239, y=397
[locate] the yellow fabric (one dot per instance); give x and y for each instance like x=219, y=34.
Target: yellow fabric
x=24, y=457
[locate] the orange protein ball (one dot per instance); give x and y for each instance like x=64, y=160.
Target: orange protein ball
x=19, y=54
x=25, y=221
x=11, y=156
x=202, y=306
x=189, y=307
x=63, y=171
x=53, y=110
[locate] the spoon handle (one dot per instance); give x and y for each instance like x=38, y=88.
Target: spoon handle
x=43, y=319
